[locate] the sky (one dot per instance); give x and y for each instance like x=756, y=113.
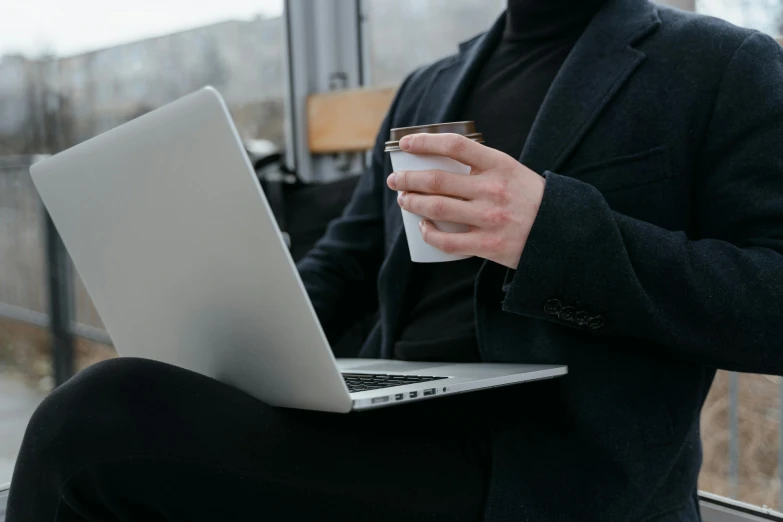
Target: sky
x=757, y=14
x=66, y=27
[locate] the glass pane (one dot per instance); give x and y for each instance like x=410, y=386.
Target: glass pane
x=405, y=34
x=71, y=70
x=25, y=366
x=24, y=381
x=740, y=431
x=763, y=15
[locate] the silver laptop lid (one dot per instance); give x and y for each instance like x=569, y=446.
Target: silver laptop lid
x=167, y=225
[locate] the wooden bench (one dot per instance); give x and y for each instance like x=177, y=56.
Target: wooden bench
x=346, y=121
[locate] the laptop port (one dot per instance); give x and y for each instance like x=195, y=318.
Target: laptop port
x=431, y=391
x=378, y=400
x=414, y=395
x=399, y=396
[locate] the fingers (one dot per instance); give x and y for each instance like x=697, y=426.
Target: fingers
x=449, y=242
x=440, y=208
x=433, y=182
x=453, y=146
x=474, y=243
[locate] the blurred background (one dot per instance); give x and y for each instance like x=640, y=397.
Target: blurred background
x=70, y=69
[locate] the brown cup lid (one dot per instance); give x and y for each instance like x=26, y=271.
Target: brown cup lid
x=465, y=128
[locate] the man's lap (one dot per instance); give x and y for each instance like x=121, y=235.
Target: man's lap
x=133, y=422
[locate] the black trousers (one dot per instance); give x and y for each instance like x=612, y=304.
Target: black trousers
x=136, y=440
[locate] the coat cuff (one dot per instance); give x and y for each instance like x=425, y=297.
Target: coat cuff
x=555, y=267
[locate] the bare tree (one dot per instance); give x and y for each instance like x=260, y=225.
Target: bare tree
x=49, y=125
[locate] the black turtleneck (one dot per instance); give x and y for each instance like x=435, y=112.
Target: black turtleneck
x=533, y=20
x=438, y=323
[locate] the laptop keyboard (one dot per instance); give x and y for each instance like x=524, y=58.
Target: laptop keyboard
x=373, y=381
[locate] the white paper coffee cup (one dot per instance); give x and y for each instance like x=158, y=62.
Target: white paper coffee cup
x=420, y=251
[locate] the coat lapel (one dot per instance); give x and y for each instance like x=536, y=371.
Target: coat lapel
x=452, y=83
x=597, y=67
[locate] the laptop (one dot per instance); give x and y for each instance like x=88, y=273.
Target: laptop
x=173, y=237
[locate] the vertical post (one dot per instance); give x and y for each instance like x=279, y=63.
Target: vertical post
x=362, y=43
x=60, y=303
x=323, y=48
x=733, y=434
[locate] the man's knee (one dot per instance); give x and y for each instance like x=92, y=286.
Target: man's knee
x=89, y=419
x=104, y=384
x=99, y=399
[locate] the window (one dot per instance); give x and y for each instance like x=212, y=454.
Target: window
x=70, y=70
x=764, y=15
x=24, y=361
x=405, y=34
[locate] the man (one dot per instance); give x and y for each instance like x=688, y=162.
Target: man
x=626, y=219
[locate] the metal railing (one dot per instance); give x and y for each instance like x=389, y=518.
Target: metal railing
x=715, y=508
x=37, y=283
x=3, y=500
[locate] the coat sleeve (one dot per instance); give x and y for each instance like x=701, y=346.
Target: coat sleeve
x=717, y=298
x=340, y=272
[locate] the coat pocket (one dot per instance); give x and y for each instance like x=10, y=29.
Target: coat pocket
x=626, y=172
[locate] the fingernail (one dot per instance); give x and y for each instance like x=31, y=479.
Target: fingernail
x=392, y=180
x=400, y=198
x=421, y=225
x=406, y=142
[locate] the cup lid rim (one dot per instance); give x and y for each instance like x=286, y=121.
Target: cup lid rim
x=463, y=123
x=394, y=146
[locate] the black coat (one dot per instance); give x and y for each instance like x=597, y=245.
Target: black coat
x=662, y=221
